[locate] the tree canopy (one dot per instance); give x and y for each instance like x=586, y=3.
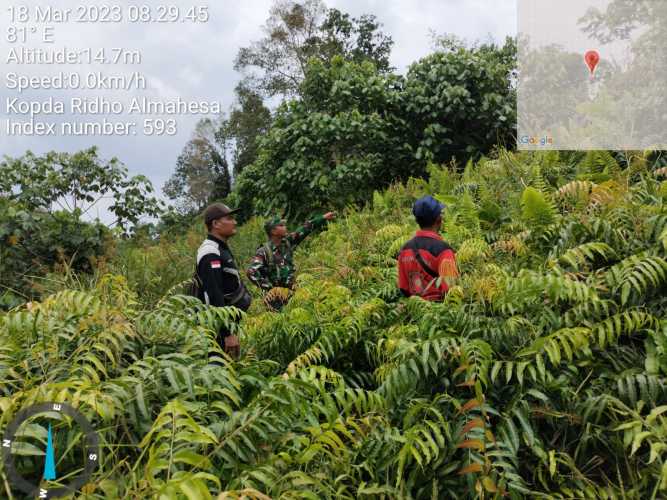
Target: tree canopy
x=355, y=129
x=77, y=183
x=44, y=201
x=248, y=120
x=202, y=172
x=297, y=31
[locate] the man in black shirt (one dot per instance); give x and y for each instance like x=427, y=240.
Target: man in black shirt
x=217, y=271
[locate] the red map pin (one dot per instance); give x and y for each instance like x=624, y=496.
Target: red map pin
x=592, y=58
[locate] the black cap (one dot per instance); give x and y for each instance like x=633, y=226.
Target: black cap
x=216, y=211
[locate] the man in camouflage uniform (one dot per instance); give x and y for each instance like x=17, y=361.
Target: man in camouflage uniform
x=273, y=266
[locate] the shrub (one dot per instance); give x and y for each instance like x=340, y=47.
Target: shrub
x=540, y=375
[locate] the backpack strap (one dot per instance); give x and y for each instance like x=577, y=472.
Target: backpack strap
x=270, y=260
x=412, y=245
x=270, y=257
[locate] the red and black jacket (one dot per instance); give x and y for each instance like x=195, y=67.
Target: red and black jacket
x=423, y=260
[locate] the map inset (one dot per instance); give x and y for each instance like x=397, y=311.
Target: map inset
x=592, y=74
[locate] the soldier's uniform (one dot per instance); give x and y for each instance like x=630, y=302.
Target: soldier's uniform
x=273, y=265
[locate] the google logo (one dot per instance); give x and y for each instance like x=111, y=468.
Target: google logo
x=535, y=141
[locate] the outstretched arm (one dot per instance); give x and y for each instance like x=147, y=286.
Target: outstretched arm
x=258, y=271
x=308, y=227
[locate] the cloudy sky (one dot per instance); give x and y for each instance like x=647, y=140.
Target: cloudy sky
x=196, y=61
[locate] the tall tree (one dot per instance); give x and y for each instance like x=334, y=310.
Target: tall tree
x=333, y=146
x=461, y=101
x=202, y=173
x=356, y=39
x=282, y=55
x=248, y=120
x=297, y=31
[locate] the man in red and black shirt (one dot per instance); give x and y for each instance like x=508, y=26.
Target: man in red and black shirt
x=426, y=263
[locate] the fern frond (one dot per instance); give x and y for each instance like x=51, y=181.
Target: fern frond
x=536, y=210
x=636, y=275
x=575, y=189
x=586, y=254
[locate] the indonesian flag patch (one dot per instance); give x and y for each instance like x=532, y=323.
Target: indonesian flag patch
x=216, y=264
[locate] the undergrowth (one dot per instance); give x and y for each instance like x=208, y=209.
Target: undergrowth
x=541, y=375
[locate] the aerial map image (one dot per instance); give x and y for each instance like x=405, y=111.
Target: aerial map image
x=592, y=75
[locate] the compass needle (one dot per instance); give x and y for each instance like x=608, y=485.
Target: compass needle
x=49, y=463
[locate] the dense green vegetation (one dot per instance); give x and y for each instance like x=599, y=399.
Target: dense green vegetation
x=543, y=373
x=46, y=204
x=355, y=129
x=347, y=123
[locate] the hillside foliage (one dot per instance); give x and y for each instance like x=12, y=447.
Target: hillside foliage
x=355, y=129
x=48, y=205
x=542, y=374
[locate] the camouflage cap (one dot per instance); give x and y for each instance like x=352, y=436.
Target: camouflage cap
x=272, y=223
